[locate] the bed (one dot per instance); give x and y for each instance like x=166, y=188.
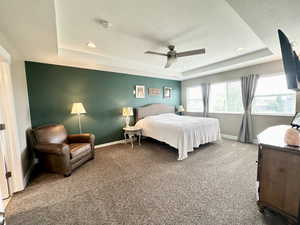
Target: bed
x=184, y=133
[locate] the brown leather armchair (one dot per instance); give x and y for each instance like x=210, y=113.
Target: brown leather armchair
x=59, y=152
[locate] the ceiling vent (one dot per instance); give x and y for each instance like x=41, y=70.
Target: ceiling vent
x=104, y=23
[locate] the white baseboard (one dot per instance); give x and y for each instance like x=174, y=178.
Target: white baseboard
x=29, y=172
x=110, y=143
x=230, y=137
x=6, y=201
x=235, y=138
x=225, y=136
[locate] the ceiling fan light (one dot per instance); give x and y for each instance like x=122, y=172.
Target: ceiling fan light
x=172, y=55
x=170, y=61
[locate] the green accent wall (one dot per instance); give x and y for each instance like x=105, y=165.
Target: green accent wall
x=52, y=89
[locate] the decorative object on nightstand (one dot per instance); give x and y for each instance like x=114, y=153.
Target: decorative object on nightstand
x=131, y=132
x=127, y=112
x=78, y=109
x=180, y=109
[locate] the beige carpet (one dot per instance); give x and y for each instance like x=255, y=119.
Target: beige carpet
x=147, y=185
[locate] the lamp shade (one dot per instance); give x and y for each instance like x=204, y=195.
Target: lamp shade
x=78, y=108
x=180, y=108
x=127, y=111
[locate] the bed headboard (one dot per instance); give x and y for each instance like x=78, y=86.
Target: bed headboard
x=152, y=109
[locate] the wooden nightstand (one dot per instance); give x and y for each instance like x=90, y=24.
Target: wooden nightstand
x=131, y=132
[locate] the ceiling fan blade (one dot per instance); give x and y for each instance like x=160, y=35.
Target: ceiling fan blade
x=192, y=52
x=155, y=53
x=170, y=61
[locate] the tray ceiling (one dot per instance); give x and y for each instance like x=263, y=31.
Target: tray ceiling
x=58, y=32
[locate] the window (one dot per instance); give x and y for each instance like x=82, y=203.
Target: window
x=273, y=97
x=194, y=102
x=226, y=97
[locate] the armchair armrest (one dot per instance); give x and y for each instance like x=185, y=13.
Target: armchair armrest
x=57, y=149
x=81, y=138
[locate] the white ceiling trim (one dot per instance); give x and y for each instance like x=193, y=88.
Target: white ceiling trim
x=267, y=16
x=235, y=67
x=117, y=64
x=256, y=56
x=90, y=61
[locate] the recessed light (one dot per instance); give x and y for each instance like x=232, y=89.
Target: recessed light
x=91, y=44
x=240, y=49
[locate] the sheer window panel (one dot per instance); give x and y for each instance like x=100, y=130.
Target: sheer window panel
x=272, y=97
x=194, y=100
x=226, y=97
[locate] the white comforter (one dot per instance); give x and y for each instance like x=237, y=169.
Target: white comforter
x=182, y=132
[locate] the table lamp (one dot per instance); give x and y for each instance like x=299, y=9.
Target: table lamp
x=180, y=109
x=78, y=109
x=127, y=112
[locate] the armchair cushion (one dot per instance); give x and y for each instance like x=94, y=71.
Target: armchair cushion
x=57, y=149
x=81, y=138
x=79, y=149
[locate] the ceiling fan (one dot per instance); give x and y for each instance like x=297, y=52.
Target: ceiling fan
x=172, y=55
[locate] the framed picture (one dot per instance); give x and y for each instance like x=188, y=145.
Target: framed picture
x=154, y=91
x=167, y=92
x=140, y=91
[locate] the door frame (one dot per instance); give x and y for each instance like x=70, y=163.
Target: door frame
x=2, y=211
x=4, y=184
x=14, y=161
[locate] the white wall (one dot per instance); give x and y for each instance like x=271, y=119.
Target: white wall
x=21, y=103
x=230, y=123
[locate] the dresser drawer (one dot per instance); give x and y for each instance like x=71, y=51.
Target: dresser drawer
x=280, y=180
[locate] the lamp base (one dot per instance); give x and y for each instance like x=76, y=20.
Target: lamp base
x=127, y=120
x=79, y=123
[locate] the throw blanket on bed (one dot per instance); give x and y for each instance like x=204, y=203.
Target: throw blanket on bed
x=182, y=132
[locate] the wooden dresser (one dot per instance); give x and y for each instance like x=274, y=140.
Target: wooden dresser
x=278, y=174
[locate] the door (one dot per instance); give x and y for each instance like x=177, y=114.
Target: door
x=4, y=186
x=10, y=152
